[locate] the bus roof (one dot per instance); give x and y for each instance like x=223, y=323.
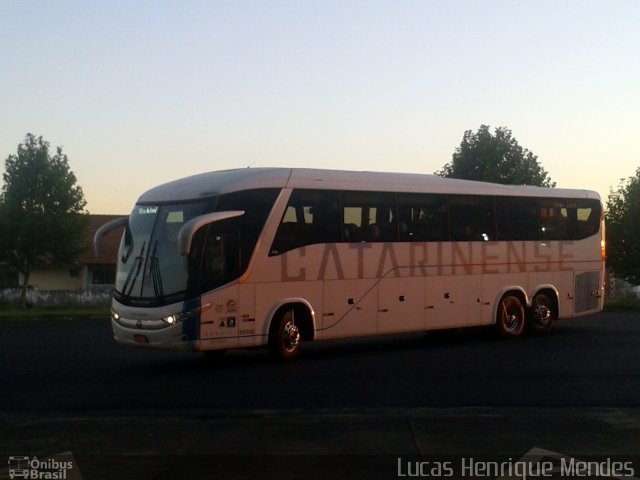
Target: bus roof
x=216, y=183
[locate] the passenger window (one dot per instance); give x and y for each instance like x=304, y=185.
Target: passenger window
x=553, y=220
x=352, y=224
x=423, y=217
x=517, y=218
x=257, y=205
x=369, y=217
x=472, y=218
x=290, y=215
x=312, y=216
x=569, y=219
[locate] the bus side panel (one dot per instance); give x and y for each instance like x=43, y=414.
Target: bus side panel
x=567, y=293
x=401, y=304
x=219, y=319
x=247, y=328
x=350, y=308
x=451, y=301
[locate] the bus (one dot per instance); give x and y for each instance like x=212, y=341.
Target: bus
x=274, y=257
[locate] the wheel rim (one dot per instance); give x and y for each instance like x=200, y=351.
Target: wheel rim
x=542, y=312
x=511, y=322
x=290, y=336
x=511, y=318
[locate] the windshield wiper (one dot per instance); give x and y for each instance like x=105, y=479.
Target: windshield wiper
x=131, y=278
x=156, y=276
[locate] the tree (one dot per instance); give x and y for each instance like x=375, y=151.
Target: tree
x=42, y=217
x=495, y=158
x=623, y=229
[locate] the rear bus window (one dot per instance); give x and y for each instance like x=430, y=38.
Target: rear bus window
x=569, y=219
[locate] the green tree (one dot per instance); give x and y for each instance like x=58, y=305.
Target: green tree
x=42, y=216
x=495, y=158
x=623, y=229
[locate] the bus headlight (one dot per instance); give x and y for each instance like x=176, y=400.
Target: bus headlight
x=176, y=318
x=171, y=319
x=184, y=316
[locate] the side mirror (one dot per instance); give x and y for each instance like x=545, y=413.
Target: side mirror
x=106, y=228
x=188, y=230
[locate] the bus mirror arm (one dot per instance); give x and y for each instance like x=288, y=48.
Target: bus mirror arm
x=188, y=230
x=104, y=229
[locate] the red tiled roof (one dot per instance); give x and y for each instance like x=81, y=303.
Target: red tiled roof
x=109, y=245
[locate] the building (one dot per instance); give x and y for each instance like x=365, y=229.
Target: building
x=99, y=272
x=91, y=273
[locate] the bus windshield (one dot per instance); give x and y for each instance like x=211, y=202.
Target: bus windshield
x=150, y=268
x=152, y=272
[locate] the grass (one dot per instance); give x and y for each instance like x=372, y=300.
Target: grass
x=621, y=304
x=12, y=311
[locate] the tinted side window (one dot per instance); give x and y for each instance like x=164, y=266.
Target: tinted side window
x=312, y=216
x=221, y=258
x=472, y=218
x=423, y=217
x=369, y=217
x=588, y=216
x=568, y=219
x=517, y=218
x=257, y=205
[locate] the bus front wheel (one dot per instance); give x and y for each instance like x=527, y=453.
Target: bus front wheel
x=284, y=337
x=511, y=317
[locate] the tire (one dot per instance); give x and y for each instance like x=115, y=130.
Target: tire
x=541, y=314
x=510, y=319
x=285, y=337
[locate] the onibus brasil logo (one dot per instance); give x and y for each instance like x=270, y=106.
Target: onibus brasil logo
x=36, y=469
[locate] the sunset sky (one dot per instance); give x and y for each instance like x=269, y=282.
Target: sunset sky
x=140, y=93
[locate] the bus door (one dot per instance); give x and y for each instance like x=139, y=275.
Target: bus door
x=220, y=262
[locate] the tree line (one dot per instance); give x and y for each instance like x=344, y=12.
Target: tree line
x=42, y=211
x=43, y=216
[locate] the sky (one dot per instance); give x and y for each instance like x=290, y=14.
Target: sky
x=140, y=93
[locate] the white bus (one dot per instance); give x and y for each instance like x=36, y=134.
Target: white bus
x=278, y=256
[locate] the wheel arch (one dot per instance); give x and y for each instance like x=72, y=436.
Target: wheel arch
x=515, y=290
x=304, y=315
x=553, y=293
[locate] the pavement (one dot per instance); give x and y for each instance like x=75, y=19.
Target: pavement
x=332, y=443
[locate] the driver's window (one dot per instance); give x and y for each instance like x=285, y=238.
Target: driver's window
x=220, y=262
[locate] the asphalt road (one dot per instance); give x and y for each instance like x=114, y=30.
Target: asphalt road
x=345, y=409
x=49, y=366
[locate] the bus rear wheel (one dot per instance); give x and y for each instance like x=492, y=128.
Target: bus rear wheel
x=541, y=314
x=285, y=337
x=511, y=317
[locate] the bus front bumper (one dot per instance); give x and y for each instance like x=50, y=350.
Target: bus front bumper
x=167, y=337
